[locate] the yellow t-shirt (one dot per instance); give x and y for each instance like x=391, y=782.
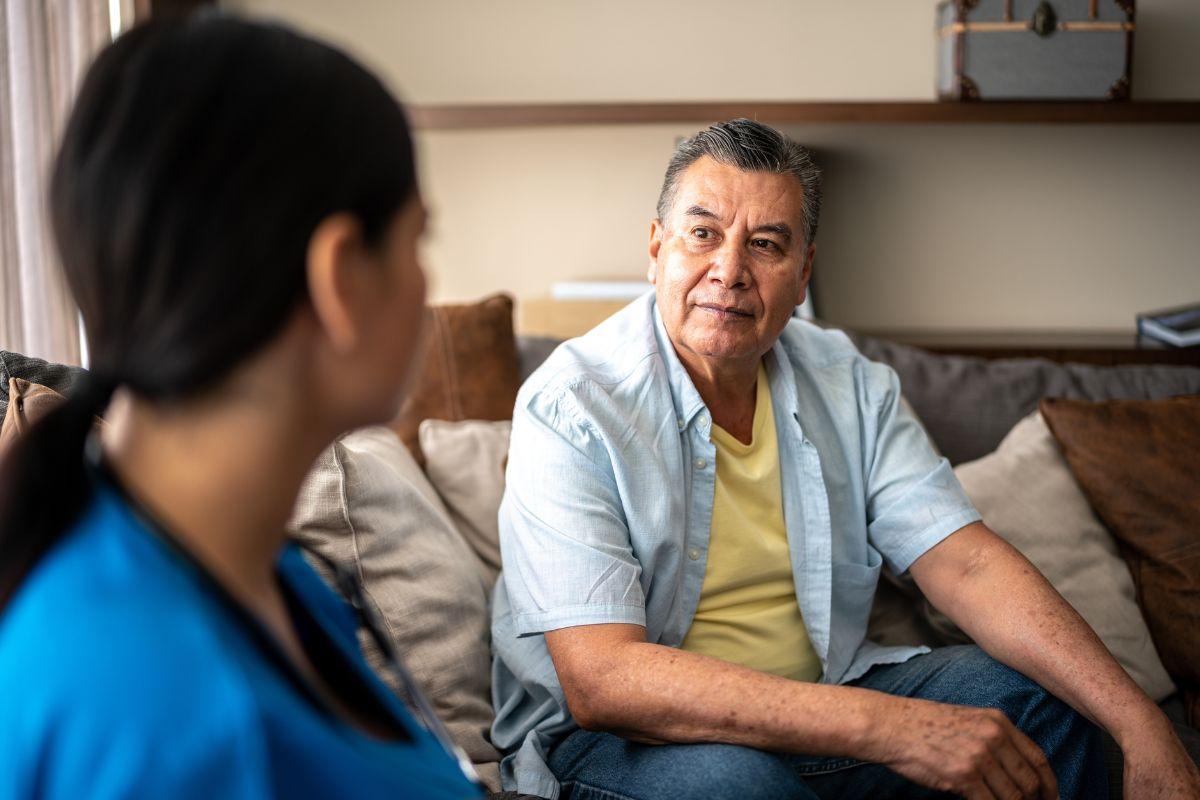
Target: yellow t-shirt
x=748, y=612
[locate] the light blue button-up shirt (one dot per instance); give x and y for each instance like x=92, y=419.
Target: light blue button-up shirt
x=609, y=499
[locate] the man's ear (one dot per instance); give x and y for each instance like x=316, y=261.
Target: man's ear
x=656, y=237
x=333, y=267
x=806, y=273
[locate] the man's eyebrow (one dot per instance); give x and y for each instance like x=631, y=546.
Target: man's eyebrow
x=778, y=228
x=781, y=229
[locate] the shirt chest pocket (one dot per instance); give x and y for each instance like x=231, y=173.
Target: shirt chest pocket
x=853, y=594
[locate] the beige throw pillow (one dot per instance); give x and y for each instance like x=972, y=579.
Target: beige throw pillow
x=366, y=506
x=465, y=462
x=1027, y=495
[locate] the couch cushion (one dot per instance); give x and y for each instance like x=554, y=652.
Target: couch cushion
x=1136, y=462
x=465, y=462
x=1027, y=495
x=969, y=404
x=366, y=506
x=469, y=370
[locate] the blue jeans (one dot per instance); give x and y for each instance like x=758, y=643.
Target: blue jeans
x=600, y=766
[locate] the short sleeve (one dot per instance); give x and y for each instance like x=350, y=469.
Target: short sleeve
x=914, y=499
x=564, y=538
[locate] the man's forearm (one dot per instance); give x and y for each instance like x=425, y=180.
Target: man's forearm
x=654, y=693
x=614, y=681
x=1000, y=599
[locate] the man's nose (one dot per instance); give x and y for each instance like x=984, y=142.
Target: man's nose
x=729, y=266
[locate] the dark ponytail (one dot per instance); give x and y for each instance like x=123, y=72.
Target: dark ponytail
x=198, y=160
x=43, y=485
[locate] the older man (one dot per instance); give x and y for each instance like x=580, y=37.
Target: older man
x=701, y=493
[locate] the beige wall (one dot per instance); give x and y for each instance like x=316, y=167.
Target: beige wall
x=1022, y=227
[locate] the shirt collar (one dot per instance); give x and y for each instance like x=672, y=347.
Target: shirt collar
x=782, y=377
x=687, y=400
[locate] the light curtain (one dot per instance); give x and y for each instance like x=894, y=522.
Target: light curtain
x=45, y=46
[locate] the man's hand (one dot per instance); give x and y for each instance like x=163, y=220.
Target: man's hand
x=1159, y=767
x=973, y=752
x=1002, y=602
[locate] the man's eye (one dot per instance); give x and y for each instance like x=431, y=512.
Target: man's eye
x=702, y=233
x=763, y=244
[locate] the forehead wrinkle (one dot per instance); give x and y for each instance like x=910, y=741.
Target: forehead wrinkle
x=730, y=195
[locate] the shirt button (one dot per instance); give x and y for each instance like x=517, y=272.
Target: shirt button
x=700, y=463
x=704, y=419
x=679, y=424
x=694, y=554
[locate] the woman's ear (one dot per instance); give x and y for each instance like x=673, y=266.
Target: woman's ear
x=334, y=269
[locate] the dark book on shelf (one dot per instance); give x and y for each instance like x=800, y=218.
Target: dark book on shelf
x=1178, y=326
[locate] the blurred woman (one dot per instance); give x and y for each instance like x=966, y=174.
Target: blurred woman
x=237, y=212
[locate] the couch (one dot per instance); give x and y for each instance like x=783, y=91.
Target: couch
x=411, y=508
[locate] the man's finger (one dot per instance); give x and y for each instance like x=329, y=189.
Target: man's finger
x=1034, y=755
x=1023, y=773
x=980, y=792
x=1000, y=781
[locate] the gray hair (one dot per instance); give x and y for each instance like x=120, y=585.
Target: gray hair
x=752, y=147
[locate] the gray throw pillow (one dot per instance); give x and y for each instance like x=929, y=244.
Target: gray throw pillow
x=367, y=507
x=532, y=351
x=969, y=404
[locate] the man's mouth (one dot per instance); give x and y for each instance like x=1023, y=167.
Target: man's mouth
x=724, y=312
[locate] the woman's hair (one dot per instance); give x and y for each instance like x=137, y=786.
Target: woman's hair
x=198, y=160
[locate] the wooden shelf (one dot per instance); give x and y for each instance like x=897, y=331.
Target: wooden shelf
x=449, y=117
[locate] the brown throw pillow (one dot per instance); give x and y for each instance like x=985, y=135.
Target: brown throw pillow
x=27, y=403
x=1136, y=462
x=470, y=368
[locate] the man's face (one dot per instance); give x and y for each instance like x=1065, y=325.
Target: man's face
x=730, y=263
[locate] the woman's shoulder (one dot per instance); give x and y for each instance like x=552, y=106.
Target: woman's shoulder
x=113, y=646
x=109, y=581
x=110, y=595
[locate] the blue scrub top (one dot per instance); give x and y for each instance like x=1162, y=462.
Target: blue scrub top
x=124, y=674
